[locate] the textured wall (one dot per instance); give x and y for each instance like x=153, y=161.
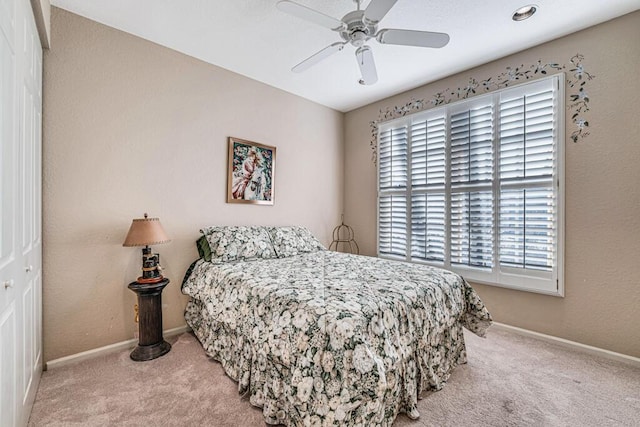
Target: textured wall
x=132, y=127
x=602, y=289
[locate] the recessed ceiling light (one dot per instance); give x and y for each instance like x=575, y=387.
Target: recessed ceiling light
x=524, y=13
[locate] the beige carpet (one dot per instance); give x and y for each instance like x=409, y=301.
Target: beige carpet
x=510, y=380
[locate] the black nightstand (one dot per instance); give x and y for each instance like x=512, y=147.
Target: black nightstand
x=151, y=343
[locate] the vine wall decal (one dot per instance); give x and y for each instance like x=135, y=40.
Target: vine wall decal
x=576, y=85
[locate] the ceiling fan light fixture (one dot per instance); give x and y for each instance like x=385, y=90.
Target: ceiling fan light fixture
x=524, y=12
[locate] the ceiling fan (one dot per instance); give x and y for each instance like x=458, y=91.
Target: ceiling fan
x=357, y=28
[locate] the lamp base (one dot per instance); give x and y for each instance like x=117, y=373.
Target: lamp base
x=149, y=352
x=150, y=280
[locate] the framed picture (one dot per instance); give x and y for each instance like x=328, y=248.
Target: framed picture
x=251, y=172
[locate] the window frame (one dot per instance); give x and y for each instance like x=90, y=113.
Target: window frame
x=530, y=280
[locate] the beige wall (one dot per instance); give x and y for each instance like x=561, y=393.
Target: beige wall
x=601, y=306
x=132, y=127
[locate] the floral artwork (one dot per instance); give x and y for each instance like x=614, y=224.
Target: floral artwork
x=576, y=77
x=333, y=339
x=251, y=172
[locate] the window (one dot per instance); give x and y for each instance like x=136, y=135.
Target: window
x=476, y=187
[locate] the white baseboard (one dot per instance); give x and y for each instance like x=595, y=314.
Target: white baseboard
x=67, y=360
x=100, y=351
x=571, y=344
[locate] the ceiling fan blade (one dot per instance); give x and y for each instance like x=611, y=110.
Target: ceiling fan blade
x=412, y=38
x=311, y=15
x=367, y=65
x=317, y=57
x=377, y=10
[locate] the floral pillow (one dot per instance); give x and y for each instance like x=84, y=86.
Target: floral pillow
x=309, y=239
x=286, y=241
x=290, y=241
x=238, y=243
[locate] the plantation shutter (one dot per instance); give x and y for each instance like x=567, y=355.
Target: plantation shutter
x=475, y=186
x=428, y=168
x=393, y=225
x=392, y=201
x=527, y=220
x=472, y=207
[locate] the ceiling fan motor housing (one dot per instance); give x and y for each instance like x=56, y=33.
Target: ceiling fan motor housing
x=358, y=31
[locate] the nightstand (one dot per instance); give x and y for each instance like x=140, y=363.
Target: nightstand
x=151, y=343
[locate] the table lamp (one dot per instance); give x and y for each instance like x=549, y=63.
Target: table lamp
x=144, y=232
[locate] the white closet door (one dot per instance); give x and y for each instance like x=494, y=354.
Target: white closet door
x=9, y=348
x=20, y=211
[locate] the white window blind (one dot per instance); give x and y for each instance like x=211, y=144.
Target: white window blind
x=527, y=199
x=428, y=164
x=392, y=208
x=474, y=186
x=471, y=171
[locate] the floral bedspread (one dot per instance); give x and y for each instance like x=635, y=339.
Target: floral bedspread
x=327, y=338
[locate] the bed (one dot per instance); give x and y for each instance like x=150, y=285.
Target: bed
x=316, y=337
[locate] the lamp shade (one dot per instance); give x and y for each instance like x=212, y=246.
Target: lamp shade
x=145, y=231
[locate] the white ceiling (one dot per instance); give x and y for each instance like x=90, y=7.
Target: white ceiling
x=253, y=38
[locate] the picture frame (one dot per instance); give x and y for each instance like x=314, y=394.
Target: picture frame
x=250, y=172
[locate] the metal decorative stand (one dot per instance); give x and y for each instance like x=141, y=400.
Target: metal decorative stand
x=343, y=234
